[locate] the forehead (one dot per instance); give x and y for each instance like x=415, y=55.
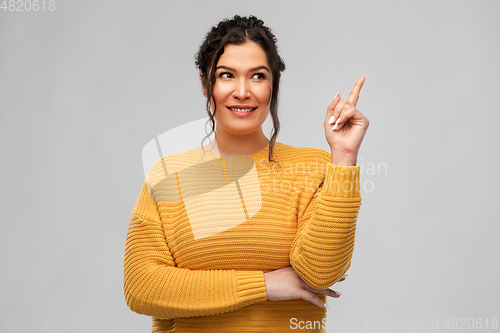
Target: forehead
x=246, y=55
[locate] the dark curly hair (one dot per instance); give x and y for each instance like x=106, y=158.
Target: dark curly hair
x=239, y=30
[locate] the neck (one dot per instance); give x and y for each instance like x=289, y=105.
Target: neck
x=229, y=144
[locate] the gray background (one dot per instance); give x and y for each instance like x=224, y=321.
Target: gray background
x=85, y=87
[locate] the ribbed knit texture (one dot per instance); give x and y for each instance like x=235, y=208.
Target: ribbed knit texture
x=205, y=229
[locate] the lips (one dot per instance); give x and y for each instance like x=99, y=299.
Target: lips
x=241, y=108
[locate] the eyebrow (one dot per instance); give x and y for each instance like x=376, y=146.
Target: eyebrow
x=251, y=69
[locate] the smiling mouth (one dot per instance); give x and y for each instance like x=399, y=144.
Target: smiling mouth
x=241, y=110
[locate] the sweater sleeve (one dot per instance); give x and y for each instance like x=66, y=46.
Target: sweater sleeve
x=323, y=246
x=154, y=286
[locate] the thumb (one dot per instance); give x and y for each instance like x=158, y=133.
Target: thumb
x=310, y=297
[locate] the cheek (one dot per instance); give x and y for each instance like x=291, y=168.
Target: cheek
x=216, y=94
x=265, y=93
x=221, y=92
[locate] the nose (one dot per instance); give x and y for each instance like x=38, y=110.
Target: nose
x=241, y=90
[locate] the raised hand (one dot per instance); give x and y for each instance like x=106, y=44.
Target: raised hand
x=284, y=284
x=345, y=127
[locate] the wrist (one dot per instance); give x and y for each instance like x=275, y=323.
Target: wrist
x=344, y=159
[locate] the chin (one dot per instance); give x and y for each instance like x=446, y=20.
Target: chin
x=242, y=130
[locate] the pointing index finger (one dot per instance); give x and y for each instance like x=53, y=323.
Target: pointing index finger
x=354, y=95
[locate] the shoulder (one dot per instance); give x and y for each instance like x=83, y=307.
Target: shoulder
x=169, y=165
x=169, y=171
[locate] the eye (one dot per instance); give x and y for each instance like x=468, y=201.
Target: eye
x=259, y=76
x=225, y=75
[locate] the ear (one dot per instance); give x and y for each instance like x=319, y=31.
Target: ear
x=203, y=88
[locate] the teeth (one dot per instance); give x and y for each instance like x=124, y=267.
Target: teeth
x=242, y=110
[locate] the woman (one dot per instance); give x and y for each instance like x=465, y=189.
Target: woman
x=246, y=235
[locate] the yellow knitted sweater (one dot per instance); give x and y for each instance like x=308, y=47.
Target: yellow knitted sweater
x=205, y=229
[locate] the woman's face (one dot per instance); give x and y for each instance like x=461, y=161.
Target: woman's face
x=242, y=89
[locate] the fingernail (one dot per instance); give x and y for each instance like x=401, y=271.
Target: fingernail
x=336, y=124
x=338, y=293
x=336, y=95
x=326, y=306
x=332, y=120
